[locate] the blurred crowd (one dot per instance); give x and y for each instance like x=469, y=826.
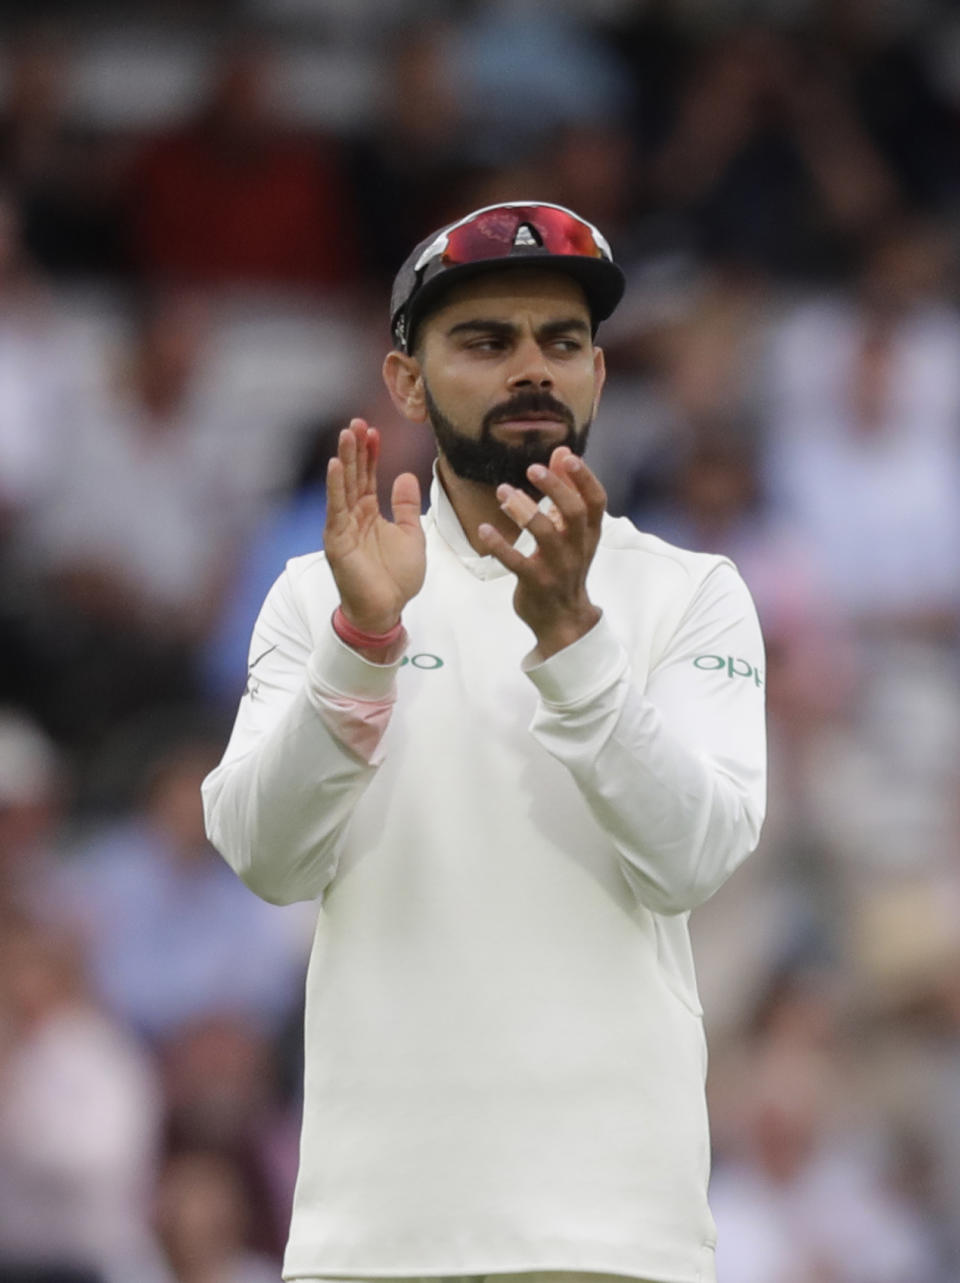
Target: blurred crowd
x=200, y=214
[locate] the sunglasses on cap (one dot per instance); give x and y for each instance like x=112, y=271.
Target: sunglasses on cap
x=511, y=234
x=495, y=230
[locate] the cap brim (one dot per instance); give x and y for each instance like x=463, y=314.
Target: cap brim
x=602, y=282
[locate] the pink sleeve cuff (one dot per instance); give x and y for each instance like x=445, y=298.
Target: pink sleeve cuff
x=353, y=696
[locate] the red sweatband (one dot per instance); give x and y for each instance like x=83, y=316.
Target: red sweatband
x=358, y=638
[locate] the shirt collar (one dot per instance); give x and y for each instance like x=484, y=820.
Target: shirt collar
x=451, y=531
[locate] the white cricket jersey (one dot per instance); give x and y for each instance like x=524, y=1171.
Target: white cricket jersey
x=505, y=1056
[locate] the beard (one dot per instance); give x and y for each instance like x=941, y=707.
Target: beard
x=491, y=462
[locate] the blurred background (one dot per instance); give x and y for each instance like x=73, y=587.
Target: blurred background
x=201, y=208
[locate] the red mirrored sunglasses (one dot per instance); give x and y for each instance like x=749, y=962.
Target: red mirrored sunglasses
x=496, y=230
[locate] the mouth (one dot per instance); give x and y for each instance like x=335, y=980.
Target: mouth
x=530, y=423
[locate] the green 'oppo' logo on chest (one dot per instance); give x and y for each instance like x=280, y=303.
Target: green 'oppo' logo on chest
x=422, y=660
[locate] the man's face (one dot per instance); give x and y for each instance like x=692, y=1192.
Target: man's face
x=509, y=372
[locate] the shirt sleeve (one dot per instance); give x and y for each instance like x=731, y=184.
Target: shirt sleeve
x=304, y=747
x=675, y=771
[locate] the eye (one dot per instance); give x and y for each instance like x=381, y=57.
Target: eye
x=566, y=346
x=487, y=343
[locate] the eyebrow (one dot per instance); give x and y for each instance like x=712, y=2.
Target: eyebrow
x=506, y=329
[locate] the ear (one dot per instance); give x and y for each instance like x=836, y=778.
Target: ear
x=599, y=375
x=404, y=380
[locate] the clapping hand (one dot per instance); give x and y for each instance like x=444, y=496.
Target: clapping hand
x=378, y=565
x=551, y=593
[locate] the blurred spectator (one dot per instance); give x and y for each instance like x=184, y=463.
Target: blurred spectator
x=38, y=369
x=135, y=538
x=79, y=1113
x=659, y=48
x=521, y=79
x=66, y=178
x=408, y=165
x=592, y=168
x=221, y=1088
x=768, y=158
x=201, y=1217
x=145, y=512
x=35, y=365
x=802, y=1195
x=864, y=430
x=682, y=363
x=232, y=199
x=172, y=933
x=891, y=60
x=862, y=454
x=907, y=971
x=32, y=798
x=20, y=1273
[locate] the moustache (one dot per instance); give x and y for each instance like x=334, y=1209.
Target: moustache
x=525, y=404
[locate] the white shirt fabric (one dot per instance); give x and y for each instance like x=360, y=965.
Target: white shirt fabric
x=504, y=1047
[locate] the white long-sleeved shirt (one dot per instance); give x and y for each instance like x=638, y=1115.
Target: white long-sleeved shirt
x=504, y=1049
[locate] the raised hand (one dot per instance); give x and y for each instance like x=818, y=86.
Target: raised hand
x=551, y=593
x=378, y=565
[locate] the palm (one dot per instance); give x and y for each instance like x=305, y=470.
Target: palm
x=378, y=565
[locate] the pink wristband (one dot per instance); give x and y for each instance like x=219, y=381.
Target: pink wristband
x=358, y=638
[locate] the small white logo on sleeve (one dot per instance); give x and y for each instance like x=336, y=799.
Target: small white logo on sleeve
x=252, y=687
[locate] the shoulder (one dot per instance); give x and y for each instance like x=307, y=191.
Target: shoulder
x=301, y=599
x=303, y=578
x=653, y=556
x=306, y=568
x=666, y=592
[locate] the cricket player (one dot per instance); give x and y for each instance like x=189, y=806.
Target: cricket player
x=507, y=747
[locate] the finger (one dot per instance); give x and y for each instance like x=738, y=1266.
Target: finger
x=517, y=505
x=563, y=493
x=371, y=454
x=336, y=497
x=504, y=552
x=405, y=500
x=588, y=484
x=546, y=528
x=552, y=538
x=361, y=435
x=347, y=454
x=558, y=460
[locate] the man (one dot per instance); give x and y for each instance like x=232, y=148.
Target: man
x=504, y=1050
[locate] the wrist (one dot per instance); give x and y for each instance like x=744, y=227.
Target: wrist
x=558, y=636
x=365, y=638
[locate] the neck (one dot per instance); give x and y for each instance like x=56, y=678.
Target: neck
x=474, y=503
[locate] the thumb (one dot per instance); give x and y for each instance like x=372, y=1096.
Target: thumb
x=405, y=500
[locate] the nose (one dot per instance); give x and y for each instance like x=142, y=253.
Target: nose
x=530, y=368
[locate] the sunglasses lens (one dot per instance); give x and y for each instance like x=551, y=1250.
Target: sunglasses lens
x=492, y=233
x=565, y=235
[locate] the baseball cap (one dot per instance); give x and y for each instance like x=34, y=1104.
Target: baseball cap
x=513, y=234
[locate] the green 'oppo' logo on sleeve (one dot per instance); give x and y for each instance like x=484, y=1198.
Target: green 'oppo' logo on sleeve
x=734, y=667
